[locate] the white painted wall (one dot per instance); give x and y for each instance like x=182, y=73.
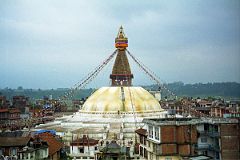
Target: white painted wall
x=87, y=150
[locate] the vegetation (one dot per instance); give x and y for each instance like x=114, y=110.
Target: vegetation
x=222, y=90
x=39, y=94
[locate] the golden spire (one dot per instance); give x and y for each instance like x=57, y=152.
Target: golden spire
x=121, y=72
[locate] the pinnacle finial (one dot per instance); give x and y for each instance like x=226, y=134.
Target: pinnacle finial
x=121, y=41
x=121, y=33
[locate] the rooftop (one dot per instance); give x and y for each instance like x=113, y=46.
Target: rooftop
x=141, y=131
x=15, y=134
x=14, y=141
x=84, y=141
x=187, y=121
x=53, y=143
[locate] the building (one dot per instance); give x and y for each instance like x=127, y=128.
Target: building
x=77, y=104
x=9, y=116
x=167, y=138
x=53, y=143
x=141, y=146
x=10, y=145
x=84, y=148
x=217, y=111
x=21, y=103
x=37, y=149
x=4, y=103
x=203, y=103
x=113, y=151
x=179, y=138
x=156, y=94
x=9, y=119
x=23, y=148
x=202, y=107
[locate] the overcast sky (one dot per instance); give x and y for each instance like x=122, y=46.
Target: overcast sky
x=54, y=44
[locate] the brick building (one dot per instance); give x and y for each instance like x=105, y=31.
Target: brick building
x=167, y=138
x=9, y=118
x=178, y=138
x=21, y=103
x=3, y=102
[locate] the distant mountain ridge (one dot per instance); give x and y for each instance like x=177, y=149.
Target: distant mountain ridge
x=39, y=93
x=217, y=89
x=220, y=89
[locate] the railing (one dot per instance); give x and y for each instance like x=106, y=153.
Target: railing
x=188, y=121
x=203, y=132
x=219, y=120
x=207, y=147
x=213, y=134
x=209, y=133
x=214, y=148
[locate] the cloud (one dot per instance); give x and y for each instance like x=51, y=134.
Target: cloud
x=66, y=39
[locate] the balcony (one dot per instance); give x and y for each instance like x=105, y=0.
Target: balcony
x=213, y=134
x=210, y=147
x=203, y=133
x=209, y=133
x=202, y=146
x=214, y=148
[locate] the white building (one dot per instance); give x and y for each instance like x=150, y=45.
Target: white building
x=84, y=148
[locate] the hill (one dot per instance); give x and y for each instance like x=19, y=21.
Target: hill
x=223, y=90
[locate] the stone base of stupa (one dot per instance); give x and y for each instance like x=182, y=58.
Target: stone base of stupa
x=103, y=127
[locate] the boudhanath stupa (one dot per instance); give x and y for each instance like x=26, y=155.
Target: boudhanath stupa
x=112, y=112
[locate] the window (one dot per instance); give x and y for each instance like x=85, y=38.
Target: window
x=157, y=133
x=204, y=139
x=216, y=128
x=81, y=149
x=31, y=154
x=205, y=153
x=217, y=155
x=151, y=156
x=206, y=127
x=44, y=153
x=13, y=151
x=150, y=128
x=141, y=151
x=145, y=153
x=141, y=139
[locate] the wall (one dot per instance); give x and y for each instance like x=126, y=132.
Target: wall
x=230, y=141
x=168, y=134
x=87, y=150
